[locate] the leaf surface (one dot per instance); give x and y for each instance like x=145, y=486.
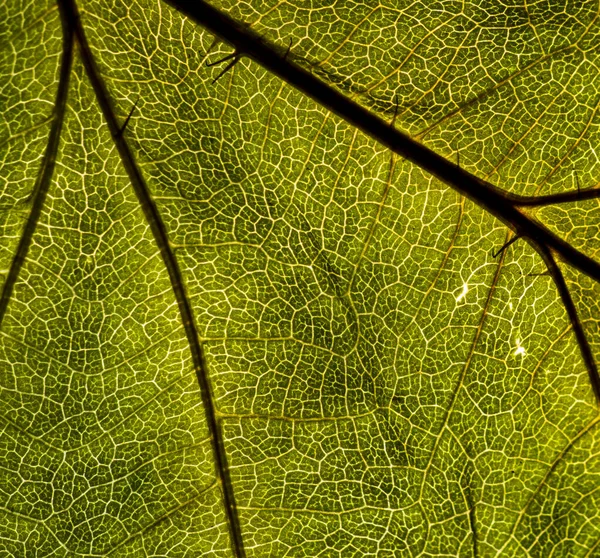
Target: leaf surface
x=383, y=386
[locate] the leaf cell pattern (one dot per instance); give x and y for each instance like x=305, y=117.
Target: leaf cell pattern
x=383, y=385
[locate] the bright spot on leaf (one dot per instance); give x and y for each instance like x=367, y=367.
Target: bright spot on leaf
x=463, y=294
x=519, y=350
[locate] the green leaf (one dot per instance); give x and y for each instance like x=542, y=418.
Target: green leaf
x=235, y=324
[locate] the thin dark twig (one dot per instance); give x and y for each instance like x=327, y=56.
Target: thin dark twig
x=122, y=128
x=224, y=59
x=506, y=245
x=235, y=56
x=226, y=69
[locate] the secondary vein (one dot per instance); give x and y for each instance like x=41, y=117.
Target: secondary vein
x=40, y=189
x=69, y=9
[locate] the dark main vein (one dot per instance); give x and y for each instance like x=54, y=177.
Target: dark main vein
x=502, y=205
x=38, y=195
x=494, y=200
x=70, y=14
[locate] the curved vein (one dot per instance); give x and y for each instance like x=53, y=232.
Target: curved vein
x=38, y=195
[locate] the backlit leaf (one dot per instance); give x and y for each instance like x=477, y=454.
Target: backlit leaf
x=379, y=383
